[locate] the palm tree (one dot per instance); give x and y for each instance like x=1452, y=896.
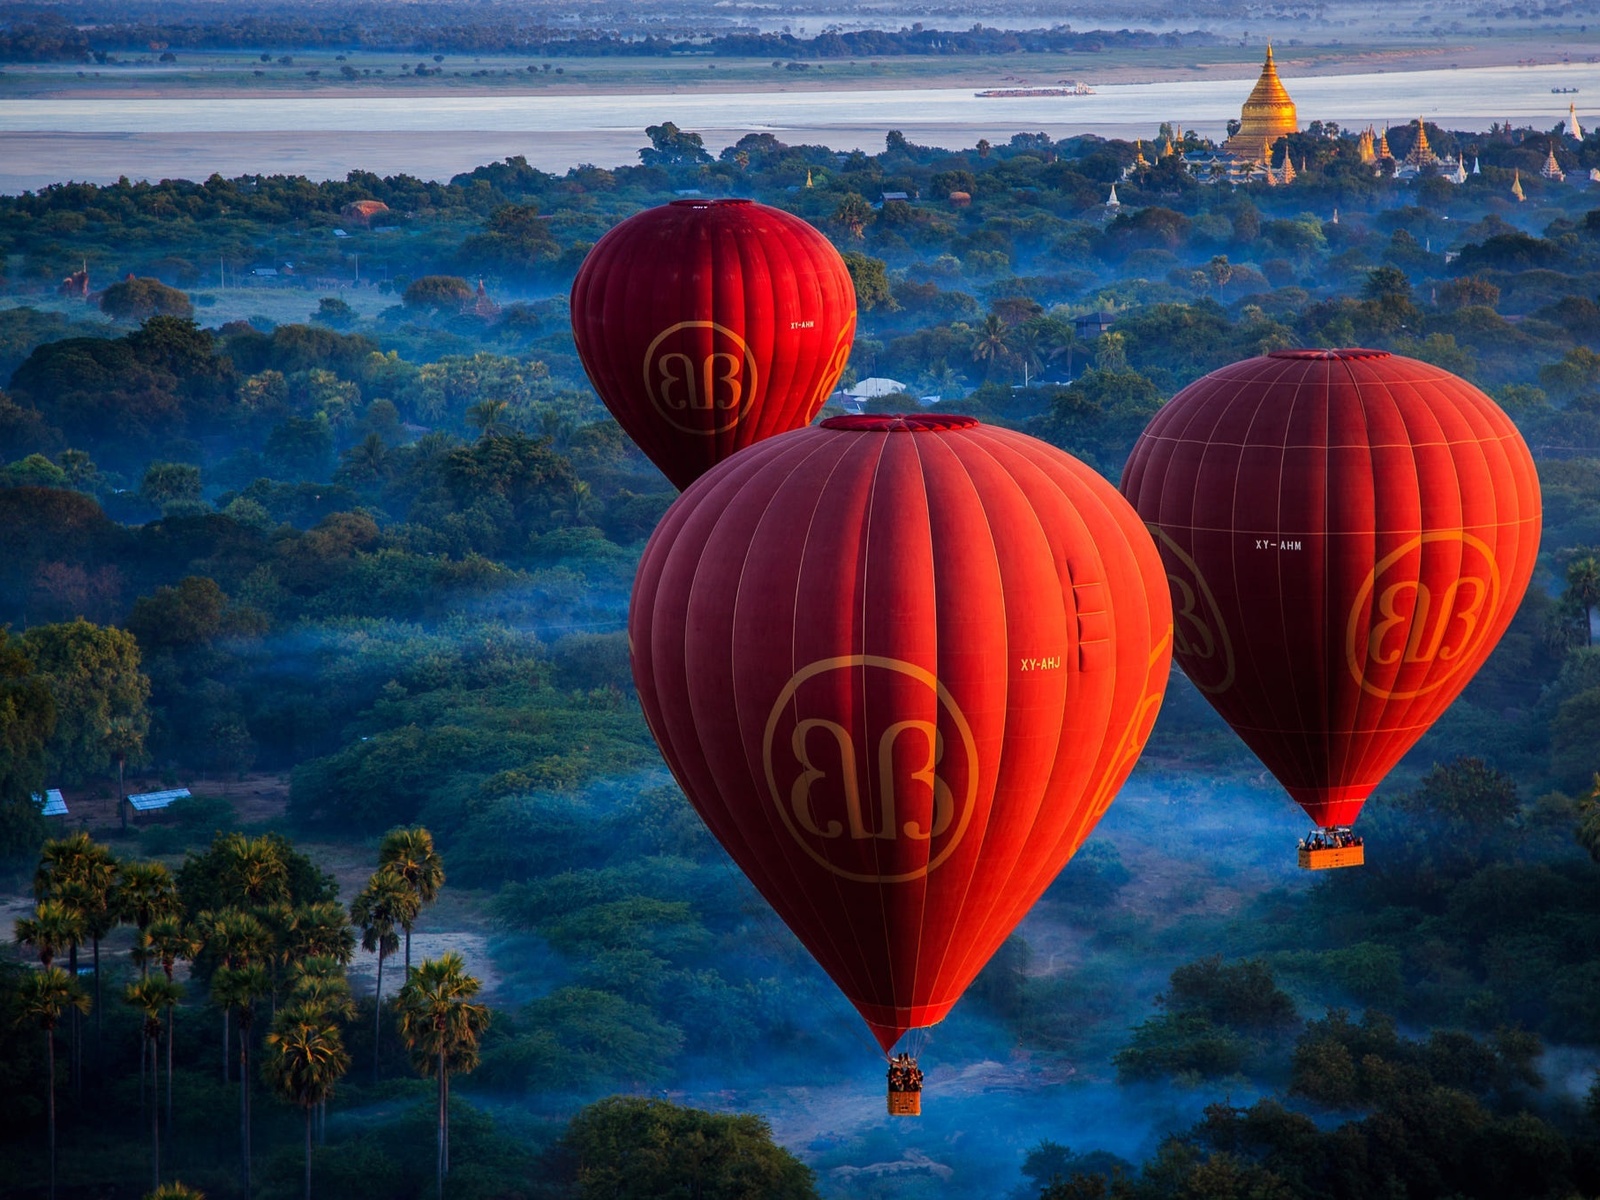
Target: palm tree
x=385, y=903
x=92, y=896
x=1220, y=270
x=409, y=853
x=322, y=930
x=254, y=870
x=308, y=1058
x=81, y=872
x=1583, y=589
x=1030, y=345
x=491, y=418
x=41, y=1000
x=319, y=983
x=282, y=923
x=53, y=927
x=1056, y=338
x=367, y=461
x=237, y=989
x=574, y=505
x=175, y=1191
x=853, y=214
x=151, y=997
x=991, y=344
x=442, y=1025
x=169, y=940
x=145, y=892
x=124, y=741
x=239, y=940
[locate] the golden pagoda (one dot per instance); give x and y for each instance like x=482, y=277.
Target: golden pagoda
x=1516, y=186
x=1366, y=151
x=1267, y=115
x=1422, y=154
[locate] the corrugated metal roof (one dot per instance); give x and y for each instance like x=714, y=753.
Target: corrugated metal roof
x=150, y=801
x=53, y=804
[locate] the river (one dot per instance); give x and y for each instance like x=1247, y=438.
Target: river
x=434, y=136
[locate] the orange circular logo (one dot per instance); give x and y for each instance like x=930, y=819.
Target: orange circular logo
x=1200, y=640
x=853, y=787
x=700, y=382
x=1399, y=621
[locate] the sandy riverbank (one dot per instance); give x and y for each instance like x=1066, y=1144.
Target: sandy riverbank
x=238, y=76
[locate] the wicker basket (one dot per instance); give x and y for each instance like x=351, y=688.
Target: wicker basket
x=905, y=1104
x=1333, y=856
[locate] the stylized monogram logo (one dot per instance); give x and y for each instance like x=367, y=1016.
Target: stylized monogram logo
x=908, y=787
x=1398, y=620
x=701, y=383
x=1199, y=638
x=836, y=363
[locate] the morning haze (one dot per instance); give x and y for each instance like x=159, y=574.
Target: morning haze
x=345, y=851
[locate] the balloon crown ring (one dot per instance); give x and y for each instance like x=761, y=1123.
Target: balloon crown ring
x=1347, y=353
x=709, y=201
x=901, y=423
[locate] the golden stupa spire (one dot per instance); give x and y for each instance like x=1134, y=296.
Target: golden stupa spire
x=1383, y=144
x=1268, y=113
x=1139, y=158
x=1516, y=184
x=1422, y=153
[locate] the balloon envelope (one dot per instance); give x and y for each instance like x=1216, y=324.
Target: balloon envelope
x=707, y=325
x=1346, y=533
x=900, y=666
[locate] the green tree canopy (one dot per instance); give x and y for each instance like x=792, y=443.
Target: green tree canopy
x=27, y=723
x=100, y=695
x=628, y=1148
x=437, y=293
x=136, y=299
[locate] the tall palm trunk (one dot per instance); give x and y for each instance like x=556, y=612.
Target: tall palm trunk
x=377, y=1019
x=309, y=1107
x=169, y=1072
x=155, y=1121
x=50, y=1100
x=226, y=1040
x=244, y=1099
x=408, y=951
x=442, y=1119
x=74, y=1060
x=99, y=1055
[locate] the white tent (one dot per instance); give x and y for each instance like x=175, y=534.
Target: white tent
x=875, y=386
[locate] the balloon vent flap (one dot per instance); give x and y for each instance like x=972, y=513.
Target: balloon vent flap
x=901, y=423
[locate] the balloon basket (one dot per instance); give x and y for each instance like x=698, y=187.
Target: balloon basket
x=905, y=1104
x=1331, y=857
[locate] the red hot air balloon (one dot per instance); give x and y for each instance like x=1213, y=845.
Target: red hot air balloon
x=900, y=666
x=707, y=325
x=1346, y=534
